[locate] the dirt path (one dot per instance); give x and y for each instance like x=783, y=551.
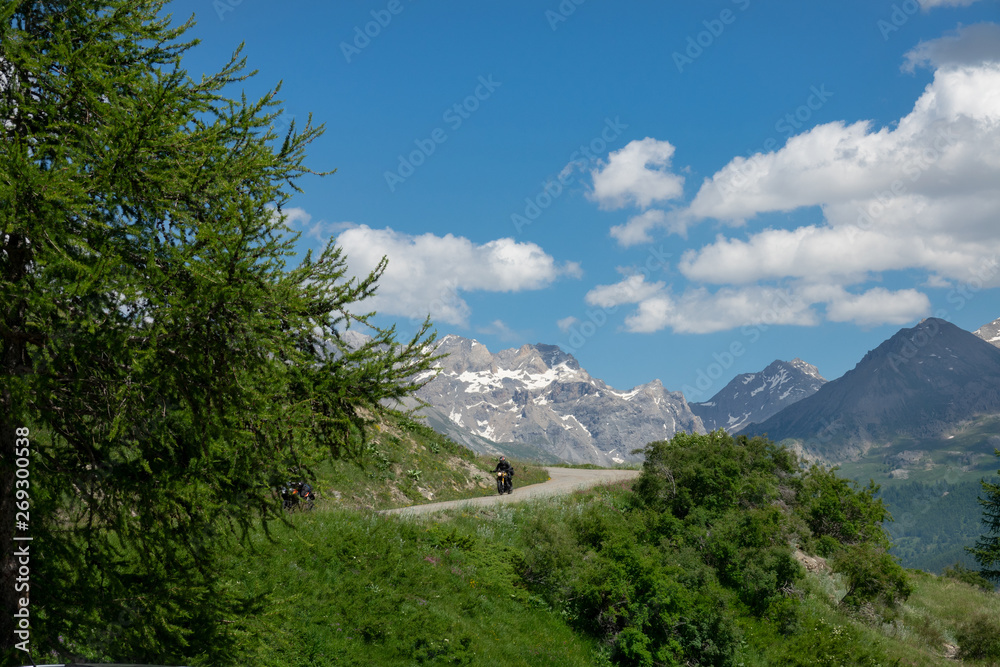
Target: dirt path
x=561, y=481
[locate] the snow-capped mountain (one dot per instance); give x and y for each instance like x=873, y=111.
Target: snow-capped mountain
x=753, y=397
x=990, y=332
x=540, y=396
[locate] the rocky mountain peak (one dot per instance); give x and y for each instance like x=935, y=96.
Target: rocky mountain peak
x=753, y=397
x=990, y=332
x=806, y=368
x=541, y=396
x=918, y=383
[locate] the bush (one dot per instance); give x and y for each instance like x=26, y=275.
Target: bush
x=874, y=577
x=834, y=507
x=971, y=577
x=979, y=639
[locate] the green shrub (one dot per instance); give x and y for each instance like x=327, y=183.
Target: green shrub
x=979, y=638
x=873, y=577
x=834, y=507
x=968, y=576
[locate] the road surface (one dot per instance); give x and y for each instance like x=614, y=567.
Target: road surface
x=562, y=481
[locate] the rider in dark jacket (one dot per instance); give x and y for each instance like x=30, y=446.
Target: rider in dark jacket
x=504, y=464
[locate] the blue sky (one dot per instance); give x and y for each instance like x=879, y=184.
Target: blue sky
x=681, y=191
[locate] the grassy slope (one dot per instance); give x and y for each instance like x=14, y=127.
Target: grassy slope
x=343, y=587
x=407, y=463
x=349, y=588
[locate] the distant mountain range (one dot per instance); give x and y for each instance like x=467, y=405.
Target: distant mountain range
x=539, y=395
x=919, y=383
x=537, y=402
x=751, y=397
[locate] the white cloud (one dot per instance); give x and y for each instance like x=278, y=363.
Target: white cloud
x=427, y=273
x=923, y=195
x=698, y=310
x=638, y=174
x=968, y=45
x=636, y=229
x=565, y=323
x=877, y=306
x=928, y=4
x=633, y=289
x=920, y=198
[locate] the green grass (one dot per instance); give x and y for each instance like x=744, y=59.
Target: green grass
x=349, y=588
x=407, y=463
x=343, y=587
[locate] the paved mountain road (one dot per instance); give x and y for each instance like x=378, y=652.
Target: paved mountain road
x=562, y=481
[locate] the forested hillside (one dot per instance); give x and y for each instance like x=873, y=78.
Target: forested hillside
x=940, y=520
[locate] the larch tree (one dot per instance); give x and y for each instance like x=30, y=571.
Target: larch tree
x=162, y=356
x=987, y=549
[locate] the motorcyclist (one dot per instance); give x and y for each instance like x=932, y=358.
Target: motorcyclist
x=306, y=491
x=503, y=465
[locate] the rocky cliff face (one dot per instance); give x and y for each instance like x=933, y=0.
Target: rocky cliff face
x=753, y=397
x=990, y=332
x=540, y=396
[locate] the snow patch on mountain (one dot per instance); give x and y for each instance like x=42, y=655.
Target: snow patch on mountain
x=539, y=395
x=753, y=397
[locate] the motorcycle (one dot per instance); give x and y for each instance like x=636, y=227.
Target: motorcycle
x=297, y=496
x=504, y=484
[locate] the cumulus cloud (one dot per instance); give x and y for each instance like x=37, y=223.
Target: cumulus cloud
x=637, y=229
x=565, y=323
x=427, y=273
x=877, y=306
x=633, y=289
x=922, y=195
x=638, y=174
x=969, y=45
x=698, y=310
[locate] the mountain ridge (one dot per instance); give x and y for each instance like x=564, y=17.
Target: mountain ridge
x=919, y=382
x=541, y=396
x=756, y=396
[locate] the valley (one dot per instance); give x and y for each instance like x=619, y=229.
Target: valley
x=919, y=416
